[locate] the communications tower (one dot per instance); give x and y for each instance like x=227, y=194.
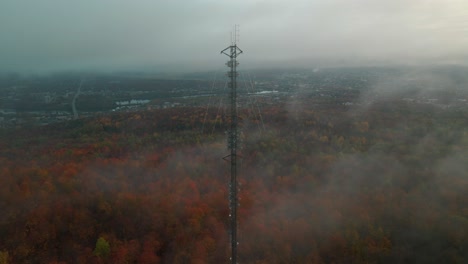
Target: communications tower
x=232, y=52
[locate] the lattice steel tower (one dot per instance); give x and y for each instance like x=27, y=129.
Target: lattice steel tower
x=232, y=52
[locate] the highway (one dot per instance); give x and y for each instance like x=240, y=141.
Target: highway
x=75, y=112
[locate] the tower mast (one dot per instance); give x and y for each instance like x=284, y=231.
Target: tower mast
x=232, y=52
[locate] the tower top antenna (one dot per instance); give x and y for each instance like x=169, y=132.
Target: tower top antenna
x=235, y=35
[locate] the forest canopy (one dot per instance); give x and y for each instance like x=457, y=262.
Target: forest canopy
x=317, y=185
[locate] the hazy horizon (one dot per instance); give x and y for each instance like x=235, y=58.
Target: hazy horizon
x=166, y=36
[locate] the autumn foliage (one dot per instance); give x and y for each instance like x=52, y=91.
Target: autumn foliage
x=329, y=185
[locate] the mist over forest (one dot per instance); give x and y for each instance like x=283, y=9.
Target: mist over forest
x=115, y=130
x=339, y=165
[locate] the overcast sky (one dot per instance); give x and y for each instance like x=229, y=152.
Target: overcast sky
x=55, y=35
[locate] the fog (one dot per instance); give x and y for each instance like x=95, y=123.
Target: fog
x=376, y=172
x=52, y=35
x=382, y=181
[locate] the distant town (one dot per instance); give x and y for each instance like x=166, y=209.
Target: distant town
x=42, y=100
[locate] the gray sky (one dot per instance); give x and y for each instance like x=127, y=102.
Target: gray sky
x=54, y=35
